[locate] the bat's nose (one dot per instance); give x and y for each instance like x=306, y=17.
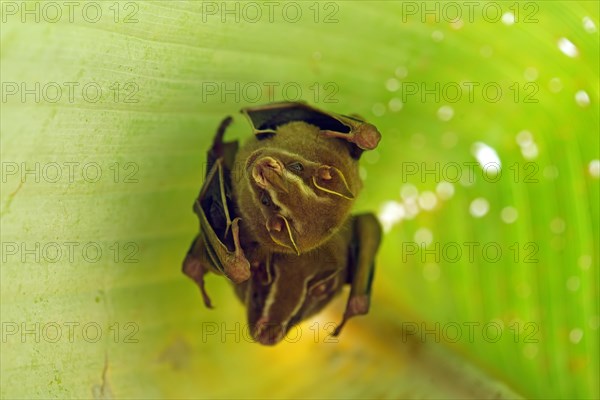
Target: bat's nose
x=268, y=333
x=271, y=163
x=267, y=171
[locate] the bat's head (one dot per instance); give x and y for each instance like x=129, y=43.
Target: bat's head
x=294, y=292
x=297, y=200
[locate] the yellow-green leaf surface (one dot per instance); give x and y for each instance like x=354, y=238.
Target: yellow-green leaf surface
x=486, y=181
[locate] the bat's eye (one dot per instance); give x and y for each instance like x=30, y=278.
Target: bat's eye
x=265, y=199
x=296, y=167
x=319, y=290
x=322, y=284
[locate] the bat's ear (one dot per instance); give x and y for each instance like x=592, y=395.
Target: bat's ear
x=332, y=180
x=281, y=233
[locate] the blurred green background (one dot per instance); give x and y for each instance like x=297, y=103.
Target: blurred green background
x=487, y=278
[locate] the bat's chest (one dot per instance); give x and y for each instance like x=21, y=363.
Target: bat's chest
x=284, y=289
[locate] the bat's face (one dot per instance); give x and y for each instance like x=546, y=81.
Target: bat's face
x=293, y=292
x=298, y=201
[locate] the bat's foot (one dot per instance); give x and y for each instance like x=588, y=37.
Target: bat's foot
x=237, y=268
x=193, y=268
x=357, y=305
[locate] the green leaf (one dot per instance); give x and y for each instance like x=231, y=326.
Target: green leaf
x=107, y=111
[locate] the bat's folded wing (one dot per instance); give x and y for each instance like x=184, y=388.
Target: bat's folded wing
x=266, y=119
x=215, y=209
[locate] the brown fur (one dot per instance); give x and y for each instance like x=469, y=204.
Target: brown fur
x=314, y=220
x=312, y=204
x=294, y=280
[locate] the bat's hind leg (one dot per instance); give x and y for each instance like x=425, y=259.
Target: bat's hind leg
x=366, y=239
x=194, y=266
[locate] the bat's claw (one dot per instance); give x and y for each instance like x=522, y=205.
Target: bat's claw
x=357, y=305
x=192, y=267
x=205, y=298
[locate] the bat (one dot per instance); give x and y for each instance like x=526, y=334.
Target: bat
x=275, y=217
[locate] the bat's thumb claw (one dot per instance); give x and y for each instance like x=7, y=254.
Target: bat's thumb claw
x=239, y=269
x=239, y=275
x=368, y=137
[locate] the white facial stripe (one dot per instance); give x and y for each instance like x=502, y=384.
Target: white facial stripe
x=271, y=297
x=299, y=304
x=284, y=210
x=305, y=189
x=286, y=213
